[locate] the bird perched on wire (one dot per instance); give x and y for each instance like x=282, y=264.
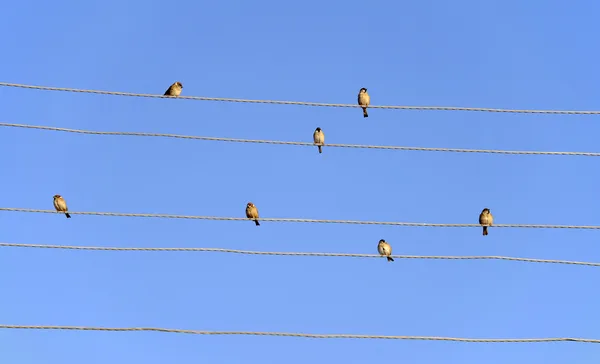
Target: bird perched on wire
x=486, y=219
x=174, y=89
x=319, y=138
x=61, y=205
x=252, y=213
x=364, y=100
x=385, y=249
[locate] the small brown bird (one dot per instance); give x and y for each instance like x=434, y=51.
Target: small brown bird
x=174, y=89
x=61, y=205
x=486, y=219
x=319, y=138
x=364, y=100
x=252, y=212
x=385, y=249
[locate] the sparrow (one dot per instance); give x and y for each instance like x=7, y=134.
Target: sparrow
x=486, y=219
x=364, y=100
x=385, y=249
x=252, y=212
x=174, y=89
x=319, y=138
x=60, y=205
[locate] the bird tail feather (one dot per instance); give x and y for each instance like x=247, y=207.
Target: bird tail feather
x=68, y=216
x=390, y=259
x=485, y=232
x=365, y=114
x=256, y=222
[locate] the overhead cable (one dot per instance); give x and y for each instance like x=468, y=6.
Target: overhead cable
x=299, y=254
x=301, y=335
x=323, y=221
x=302, y=103
x=308, y=144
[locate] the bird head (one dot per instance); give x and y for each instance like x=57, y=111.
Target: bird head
x=363, y=90
x=250, y=204
x=381, y=241
x=57, y=196
x=179, y=84
x=485, y=211
x=318, y=129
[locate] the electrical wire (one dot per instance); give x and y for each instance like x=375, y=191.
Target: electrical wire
x=259, y=141
x=304, y=103
x=292, y=334
x=355, y=222
x=300, y=254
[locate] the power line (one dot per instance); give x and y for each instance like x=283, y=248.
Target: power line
x=303, y=103
x=301, y=254
x=354, y=222
x=292, y=334
x=259, y=141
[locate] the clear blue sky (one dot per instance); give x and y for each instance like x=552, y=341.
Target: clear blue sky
x=511, y=54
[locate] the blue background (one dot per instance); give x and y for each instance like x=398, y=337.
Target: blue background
x=508, y=54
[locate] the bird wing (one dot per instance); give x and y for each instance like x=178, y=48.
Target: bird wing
x=60, y=205
x=483, y=219
x=388, y=249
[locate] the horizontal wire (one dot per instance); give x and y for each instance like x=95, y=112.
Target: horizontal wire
x=354, y=222
x=303, y=103
x=291, y=334
x=300, y=254
x=259, y=141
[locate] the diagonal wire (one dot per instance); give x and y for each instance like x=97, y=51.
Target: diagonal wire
x=259, y=141
x=303, y=103
x=300, y=254
x=293, y=334
x=354, y=222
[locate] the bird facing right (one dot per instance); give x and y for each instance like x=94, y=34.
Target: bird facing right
x=319, y=138
x=486, y=219
x=174, y=89
x=385, y=249
x=252, y=212
x=61, y=205
x=364, y=100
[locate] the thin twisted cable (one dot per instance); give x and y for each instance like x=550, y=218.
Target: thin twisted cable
x=300, y=254
x=354, y=222
x=259, y=141
x=293, y=334
x=303, y=103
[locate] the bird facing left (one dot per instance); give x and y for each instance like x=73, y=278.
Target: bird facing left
x=252, y=213
x=61, y=205
x=385, y=249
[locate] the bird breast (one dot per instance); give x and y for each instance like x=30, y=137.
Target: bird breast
x=484, y=219
x=318, y=138
x=363, y=99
